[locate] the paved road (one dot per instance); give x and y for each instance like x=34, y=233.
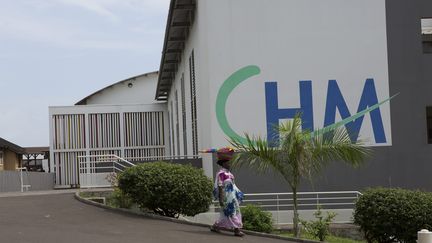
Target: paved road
x=61, y=218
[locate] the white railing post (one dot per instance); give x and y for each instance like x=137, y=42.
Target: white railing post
x=277, y=212
x=22, y=180
x=22, y=186
x=424, y=236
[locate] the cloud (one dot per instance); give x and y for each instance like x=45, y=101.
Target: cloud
x=90, y=33
x=50, y=50
x=93, y=6
x=108, y=8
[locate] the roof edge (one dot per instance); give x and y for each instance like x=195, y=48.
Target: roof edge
x=174, y=43
x=83, y=101
x=11, y=146
x=167, y=28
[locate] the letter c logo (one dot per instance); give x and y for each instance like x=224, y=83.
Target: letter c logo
x=227, y=87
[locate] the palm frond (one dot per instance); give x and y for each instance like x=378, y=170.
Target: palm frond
x=338, y=146
x=256, y=153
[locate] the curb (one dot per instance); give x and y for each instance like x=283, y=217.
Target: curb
x=179, y=221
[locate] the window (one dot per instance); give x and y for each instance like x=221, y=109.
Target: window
x=193, y=104
x=429, y=123
x=426, y=30
x=1, y=158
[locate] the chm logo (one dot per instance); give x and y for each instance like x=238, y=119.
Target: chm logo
x=368, y=103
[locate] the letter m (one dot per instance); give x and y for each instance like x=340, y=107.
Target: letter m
x=369, y=98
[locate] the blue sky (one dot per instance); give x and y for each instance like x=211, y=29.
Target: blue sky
x=56, y=52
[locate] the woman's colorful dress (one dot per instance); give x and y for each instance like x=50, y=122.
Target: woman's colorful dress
x=230, y=216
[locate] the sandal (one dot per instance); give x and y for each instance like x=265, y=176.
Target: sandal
x=238, y=233
x=214, y=228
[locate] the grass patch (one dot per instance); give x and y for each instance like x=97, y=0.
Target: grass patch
x=86, y=194
x=330, y=238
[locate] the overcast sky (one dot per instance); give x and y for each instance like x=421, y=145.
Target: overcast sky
x=56, y=52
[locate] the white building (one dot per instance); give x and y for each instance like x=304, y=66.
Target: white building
x=121, y=119
x=246, y=65
x=235, y=66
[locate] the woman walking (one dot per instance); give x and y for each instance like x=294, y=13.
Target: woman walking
x=228, y=194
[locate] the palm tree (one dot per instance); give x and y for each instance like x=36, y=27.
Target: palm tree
x=299, y=154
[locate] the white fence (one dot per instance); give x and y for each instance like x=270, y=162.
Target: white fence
x=10, y=181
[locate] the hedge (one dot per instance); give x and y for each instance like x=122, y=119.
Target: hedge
x=168, y=189
x=392, y=214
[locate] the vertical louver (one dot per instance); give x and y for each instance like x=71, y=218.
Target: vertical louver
x=193, y=104
x=183, y=110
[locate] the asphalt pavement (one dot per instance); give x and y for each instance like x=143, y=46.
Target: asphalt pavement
x=61, y=218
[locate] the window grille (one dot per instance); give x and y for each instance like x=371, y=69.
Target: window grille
x=69, y=131
x=104, y=130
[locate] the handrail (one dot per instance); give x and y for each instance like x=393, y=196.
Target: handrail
x=278, y=202
x=106, y=155
x=303, y=193
x=166, y=157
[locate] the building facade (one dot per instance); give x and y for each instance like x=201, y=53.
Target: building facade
x=230, y=67
x=10, y=155
x=118, y=120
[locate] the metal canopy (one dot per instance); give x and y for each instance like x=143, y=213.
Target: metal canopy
x=180, y=19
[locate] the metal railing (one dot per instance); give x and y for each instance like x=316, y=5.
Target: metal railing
x=281, y=204
x=94, y=169
x=332, y=199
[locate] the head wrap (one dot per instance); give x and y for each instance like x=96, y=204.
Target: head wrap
x=224, y=154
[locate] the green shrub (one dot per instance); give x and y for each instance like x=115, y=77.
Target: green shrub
x=390, y=215
x=119, y=199
x=254, y=218
x=320, y=228
x=168, y=189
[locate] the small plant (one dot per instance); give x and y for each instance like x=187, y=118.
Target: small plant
x=320, y=228
x=254, y=218
x=119, y=199
x=112, y=178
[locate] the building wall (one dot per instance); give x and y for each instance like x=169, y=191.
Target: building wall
x=227, y=36
x=198, y=45
x=138, y=90
x=407, y=162
x=11, y=181
x=128, y=131
x=11, y=160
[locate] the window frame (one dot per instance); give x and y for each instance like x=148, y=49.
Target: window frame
x=426, y=35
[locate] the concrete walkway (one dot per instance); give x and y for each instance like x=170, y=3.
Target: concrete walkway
x=61, y=218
